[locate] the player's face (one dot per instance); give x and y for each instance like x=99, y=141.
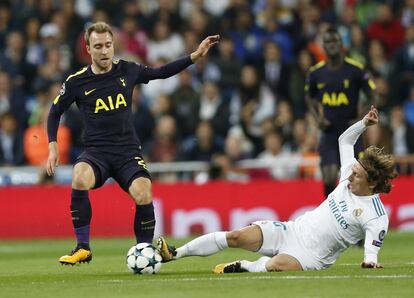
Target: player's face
x=358, y=181
x=332, y=44
x=101, y=49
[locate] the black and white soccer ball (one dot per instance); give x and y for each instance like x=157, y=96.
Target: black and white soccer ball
x=143, y=258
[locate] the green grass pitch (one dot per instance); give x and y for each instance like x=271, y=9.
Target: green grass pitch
x=30, y=269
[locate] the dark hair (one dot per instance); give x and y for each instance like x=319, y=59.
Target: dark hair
x=332, y=30
x=380, y=168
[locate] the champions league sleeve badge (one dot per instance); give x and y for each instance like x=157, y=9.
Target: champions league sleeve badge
x=381, y=235
x=63, y=89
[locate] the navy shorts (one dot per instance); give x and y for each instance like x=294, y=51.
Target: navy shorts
x=123, y=167
x=329, y=149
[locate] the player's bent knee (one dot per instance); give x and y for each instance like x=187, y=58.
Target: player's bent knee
x=283, y=263
x=140, y=191
x=81, y=183
x=83, y=177
x=142, y=197
x=233, y=238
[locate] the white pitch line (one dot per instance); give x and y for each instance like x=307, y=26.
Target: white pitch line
x=272, y=277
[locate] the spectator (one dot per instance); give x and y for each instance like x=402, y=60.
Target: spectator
x=33, y=44
x=409, y=116
x=186, y=105
x=164, y=147
x=252, y=103
x=13, y=60
x=284, y=121
x=358, y=49
x=228, y=65
x=399, y=128
x=275, y=72
x=297, y=80
x=11, y=143
x=203, y=145
x=164, y=44
x=378, y=62
x=386, y=28
x=246, y=38
x=134, y=39
x=212, y=108
x=12, y=100
x=403, y=74
x=275, y=155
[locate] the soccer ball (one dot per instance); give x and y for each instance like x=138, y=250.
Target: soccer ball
x=143, y=258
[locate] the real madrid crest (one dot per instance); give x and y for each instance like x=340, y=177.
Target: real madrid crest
x=357, y=212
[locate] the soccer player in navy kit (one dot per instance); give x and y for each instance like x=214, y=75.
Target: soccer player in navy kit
x=332, y=92
x=102, y=92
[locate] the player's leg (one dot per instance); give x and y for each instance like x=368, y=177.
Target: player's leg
x=83, y=179
x=329, y=176
x=282, y=262
x=249, y=238
x=329, y=153
x=130, y=171
x=144, y=221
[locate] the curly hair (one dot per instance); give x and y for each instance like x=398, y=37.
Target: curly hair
x=380, y=168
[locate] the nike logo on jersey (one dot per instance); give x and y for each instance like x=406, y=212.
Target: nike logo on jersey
x=147, y=222
x=320, y=85
x=89, y=92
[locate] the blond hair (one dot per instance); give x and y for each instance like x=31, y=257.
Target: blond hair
x=98, y=27
x=380, y=168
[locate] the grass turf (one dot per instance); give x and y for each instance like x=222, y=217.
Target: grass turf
x=30, y=269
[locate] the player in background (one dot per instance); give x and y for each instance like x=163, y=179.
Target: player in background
x=314, y=240
x=102, y=92
x=332, y=91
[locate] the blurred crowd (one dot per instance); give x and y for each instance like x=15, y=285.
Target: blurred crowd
x=244, y=101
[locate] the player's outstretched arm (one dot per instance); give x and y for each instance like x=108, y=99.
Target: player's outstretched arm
x=204, y=47
x=349, y=137
x=174, y=67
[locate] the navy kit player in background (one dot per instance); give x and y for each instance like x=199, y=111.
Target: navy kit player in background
x=332, y=92
x=102, y=92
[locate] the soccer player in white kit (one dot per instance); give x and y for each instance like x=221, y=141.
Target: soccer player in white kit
x=352, y=212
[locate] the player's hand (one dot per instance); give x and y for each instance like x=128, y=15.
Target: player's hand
x=371, y=117
x=204, y=47
x=366, y=265
x=53, y=159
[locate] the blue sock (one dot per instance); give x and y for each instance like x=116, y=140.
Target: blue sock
x=81, y=211
x=144, y=223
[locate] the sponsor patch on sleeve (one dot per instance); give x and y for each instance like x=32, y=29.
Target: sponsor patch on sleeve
x=376, y=243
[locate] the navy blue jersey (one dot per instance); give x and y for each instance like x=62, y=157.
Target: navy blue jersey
x=104, y=101
x=338, y=90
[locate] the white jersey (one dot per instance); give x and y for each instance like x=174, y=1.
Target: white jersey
x=343, y=218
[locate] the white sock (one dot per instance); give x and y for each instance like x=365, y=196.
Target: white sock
x=257, y=266
x=203, y=246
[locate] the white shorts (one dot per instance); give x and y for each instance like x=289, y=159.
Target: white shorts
x=280, y=238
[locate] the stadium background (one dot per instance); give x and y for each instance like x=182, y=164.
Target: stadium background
x=229, y=140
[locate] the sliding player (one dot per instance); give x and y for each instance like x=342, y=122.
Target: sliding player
x=314, y=241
